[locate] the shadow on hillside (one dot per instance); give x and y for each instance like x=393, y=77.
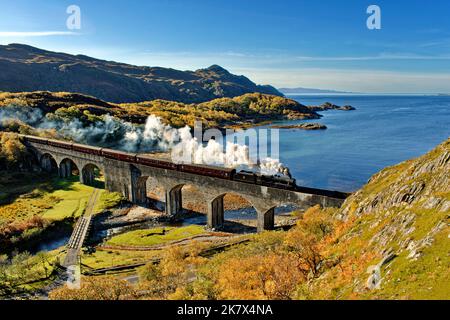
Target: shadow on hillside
x=237, y=228
x=188, y=217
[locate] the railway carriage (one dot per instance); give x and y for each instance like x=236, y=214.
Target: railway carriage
x=154, y=162
x=216, y=172
x=119, y=155
x=87, y=149
x=60, y=144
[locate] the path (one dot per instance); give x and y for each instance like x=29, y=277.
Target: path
x=80, y=231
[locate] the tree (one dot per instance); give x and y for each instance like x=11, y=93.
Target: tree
x=305, y=247
x=96, y=288
x=43, y=257
x=20, y=266
x=270, y=276
x=171, y=278
x=305, y=240
x=12, y=152
x=4, y=279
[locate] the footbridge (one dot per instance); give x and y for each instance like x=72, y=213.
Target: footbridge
x=123, y=174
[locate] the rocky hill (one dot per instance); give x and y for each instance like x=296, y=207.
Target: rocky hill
x=394, y=243
x=25, y=68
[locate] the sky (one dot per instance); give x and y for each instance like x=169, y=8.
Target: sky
x=292, y=43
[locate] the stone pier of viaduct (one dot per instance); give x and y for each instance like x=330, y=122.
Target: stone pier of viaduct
x=130, y=179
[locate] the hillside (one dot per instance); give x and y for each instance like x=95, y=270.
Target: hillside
x=251, y=108
x=25, y=68
x=396, y=239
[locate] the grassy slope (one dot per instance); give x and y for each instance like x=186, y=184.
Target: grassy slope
x=73, y=202
x=427, y=278
x=54, y=199
x=111, y=258
x=155, y=236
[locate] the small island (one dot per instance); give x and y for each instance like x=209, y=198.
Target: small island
x=302, y=126
x=330, y=106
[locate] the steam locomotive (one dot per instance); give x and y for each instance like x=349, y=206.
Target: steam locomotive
x=275, y=181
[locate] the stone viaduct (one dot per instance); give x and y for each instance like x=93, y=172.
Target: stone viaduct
x=130, y=179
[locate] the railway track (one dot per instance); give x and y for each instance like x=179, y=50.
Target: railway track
x=80, y=231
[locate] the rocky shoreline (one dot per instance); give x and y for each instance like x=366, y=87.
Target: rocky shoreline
x=302, y=126
x=262, y=121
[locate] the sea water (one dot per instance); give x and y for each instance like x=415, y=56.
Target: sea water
x=382, y=131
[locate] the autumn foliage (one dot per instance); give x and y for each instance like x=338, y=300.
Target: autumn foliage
x=18, y=227
x=273, y=266
x=96, y=288
x=272, y=276
x=12, y=152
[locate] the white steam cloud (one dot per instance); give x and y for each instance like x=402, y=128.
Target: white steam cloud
x=153, y=136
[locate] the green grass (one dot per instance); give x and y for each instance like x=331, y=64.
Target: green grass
x=110, y=258
x=426, y=278
x=51, y=198
x=155, y=236
x=73, y=202
x=108, y=200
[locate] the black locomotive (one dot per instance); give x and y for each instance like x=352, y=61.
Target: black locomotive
x=276, y=181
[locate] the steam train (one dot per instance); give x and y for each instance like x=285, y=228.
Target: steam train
x=211, y=171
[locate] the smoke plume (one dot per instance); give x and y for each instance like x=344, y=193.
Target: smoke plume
x=153, y=136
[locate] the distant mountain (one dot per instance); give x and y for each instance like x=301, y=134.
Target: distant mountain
x=25, y=68
x=300, y=90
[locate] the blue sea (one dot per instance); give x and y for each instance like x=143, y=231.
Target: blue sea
x=382, y=131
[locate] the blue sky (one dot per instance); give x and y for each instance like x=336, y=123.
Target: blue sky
x=320, y=44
